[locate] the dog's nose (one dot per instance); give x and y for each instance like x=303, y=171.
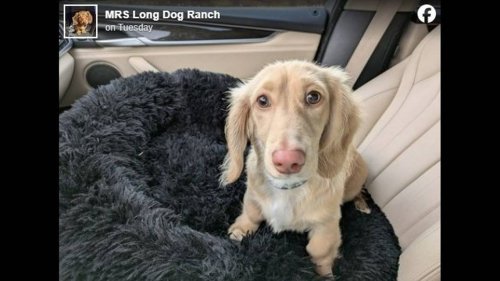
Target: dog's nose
x=288, y=161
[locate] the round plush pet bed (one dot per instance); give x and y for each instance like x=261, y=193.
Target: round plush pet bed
x=139, y=197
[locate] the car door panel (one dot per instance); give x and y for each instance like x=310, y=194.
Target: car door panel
x=66, y=68
x=240, y=60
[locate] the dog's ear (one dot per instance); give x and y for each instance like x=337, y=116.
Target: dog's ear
x=343, y=123
x=75, y=19
x=89, y=16
x=236, y=131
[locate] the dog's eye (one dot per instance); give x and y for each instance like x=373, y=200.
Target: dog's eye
x=263, y=101
x=313, y=97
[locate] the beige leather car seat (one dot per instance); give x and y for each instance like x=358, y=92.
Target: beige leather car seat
x=400, y=141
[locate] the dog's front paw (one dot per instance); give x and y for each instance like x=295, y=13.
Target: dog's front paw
x=239, y=230
x=325, y=271
x=236, y=234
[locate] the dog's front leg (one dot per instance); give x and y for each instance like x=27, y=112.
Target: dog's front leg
x=248, y=221
x=324, y=241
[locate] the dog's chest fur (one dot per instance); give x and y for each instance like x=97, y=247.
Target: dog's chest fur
x=284, y=209
x=279, y=212
x=298, y=209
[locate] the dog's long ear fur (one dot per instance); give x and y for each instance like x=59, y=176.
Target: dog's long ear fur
x=236, y=135
x=343, y=123
x=89, y=15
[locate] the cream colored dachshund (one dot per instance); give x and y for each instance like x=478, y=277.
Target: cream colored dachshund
x=81, y=20
x=300, y=119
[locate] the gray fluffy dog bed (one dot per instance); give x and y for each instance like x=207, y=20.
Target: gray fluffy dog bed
x=139, y=197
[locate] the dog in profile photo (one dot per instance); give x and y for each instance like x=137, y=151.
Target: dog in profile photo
x=81, y=20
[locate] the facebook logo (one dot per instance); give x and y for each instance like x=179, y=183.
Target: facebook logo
x=426, y=13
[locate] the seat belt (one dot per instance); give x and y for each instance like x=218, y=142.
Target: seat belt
x=386, y=10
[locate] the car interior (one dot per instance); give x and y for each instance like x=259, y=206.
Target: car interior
x=393, y=57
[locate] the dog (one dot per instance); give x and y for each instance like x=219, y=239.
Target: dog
x=300, y=119
x=81, y=20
